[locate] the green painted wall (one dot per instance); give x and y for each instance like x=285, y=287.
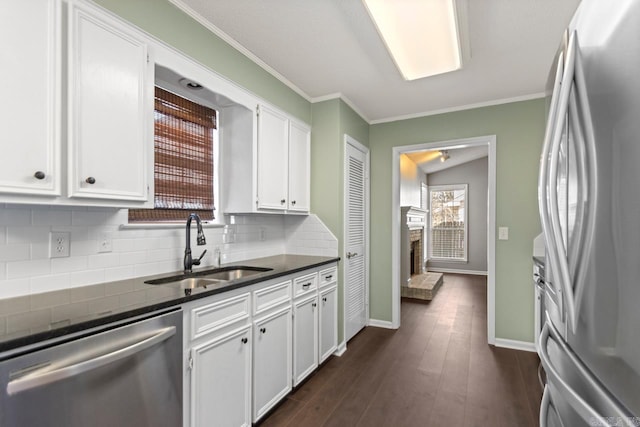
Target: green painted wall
x=519, y=131
x=169, y=24
x=331, y=121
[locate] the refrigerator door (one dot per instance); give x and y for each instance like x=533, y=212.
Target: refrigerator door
x=606, y=281
x=572, y=396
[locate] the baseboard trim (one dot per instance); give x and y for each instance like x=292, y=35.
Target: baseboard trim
x=381, y=324
x=342, y=348
x=515, y=345
x=456, y=271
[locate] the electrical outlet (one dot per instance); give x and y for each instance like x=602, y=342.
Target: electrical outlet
x=105, y=244
x=503, y=233
x=59, y=244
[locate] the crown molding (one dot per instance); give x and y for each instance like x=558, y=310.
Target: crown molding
x=460, y=108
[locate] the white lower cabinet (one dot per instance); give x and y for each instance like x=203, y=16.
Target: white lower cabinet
x=271, y=360
x=305, y=337
x=246, y=349
x=328, y=334
x=221, y=380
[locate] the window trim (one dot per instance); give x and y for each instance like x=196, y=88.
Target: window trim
x=217, y=173
x=449, y=187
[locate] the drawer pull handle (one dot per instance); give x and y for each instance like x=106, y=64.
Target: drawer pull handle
x=329, y=277
x=245, y=340
x=39, y=175
x=306, y=285
x=263, y=330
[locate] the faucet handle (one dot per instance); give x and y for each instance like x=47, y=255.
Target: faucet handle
x=197, y=261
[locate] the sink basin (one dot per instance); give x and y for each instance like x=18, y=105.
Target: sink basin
x=214, y=277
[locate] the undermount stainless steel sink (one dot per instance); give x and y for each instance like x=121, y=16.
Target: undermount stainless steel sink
x=208, y=279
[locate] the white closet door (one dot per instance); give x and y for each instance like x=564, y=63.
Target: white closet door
x=356, y=235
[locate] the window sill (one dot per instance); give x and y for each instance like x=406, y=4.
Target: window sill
x=167, y=225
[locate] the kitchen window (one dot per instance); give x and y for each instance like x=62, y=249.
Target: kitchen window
x=448, y=222
x=184, y=133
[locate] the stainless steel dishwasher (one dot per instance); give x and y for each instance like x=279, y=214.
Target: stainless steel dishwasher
x=128, y=374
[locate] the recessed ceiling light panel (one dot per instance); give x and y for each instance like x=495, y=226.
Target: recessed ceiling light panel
x=421, y=35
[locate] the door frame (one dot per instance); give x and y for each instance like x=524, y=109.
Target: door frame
x=348, y=140
x=490, y=141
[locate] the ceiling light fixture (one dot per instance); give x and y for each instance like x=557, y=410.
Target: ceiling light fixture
x=421, y=36
x=444, y=155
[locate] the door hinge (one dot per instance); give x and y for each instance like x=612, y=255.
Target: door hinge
x=148, y=58
x=258, y=110
x=190, y=363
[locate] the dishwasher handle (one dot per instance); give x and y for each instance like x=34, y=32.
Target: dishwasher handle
x=44, y=377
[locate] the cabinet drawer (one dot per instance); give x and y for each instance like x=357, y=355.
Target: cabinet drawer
x=264, y=299
x=212, y=317
x=330, y=275
x=305, y=284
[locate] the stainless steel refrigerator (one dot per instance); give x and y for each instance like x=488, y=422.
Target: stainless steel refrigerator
x=589, y=197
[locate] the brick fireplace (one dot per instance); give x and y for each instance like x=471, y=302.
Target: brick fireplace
x=416, y=237
x=412, y=243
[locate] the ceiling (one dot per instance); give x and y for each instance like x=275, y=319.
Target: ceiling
x=429, y=161
x=330, y=48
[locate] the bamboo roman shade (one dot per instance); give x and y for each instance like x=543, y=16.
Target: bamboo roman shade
x=183, y=160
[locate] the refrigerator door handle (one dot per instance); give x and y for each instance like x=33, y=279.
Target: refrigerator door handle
x=545, y=407
x=582, y=117
x=558, y=249
x=610, y=408
x=553, y=376
x=543, y=178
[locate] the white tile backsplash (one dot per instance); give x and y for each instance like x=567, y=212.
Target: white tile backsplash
x=25, y=266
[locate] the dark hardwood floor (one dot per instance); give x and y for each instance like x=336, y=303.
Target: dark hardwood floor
x=436, y=370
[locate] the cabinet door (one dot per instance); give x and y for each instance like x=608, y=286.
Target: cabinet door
x=30, y=88
x=328, y=322
x=299, y=167
x=221, y=381
x=271, y=360
x=305, y=338
x=110, y=104
x=273, y=137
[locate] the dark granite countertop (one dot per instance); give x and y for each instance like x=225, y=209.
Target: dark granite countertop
x=34, y=318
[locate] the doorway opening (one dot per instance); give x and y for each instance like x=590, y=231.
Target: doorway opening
x=449, y=153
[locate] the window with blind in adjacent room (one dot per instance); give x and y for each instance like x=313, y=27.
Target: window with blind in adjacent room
x=448, y=222
x=184, y=160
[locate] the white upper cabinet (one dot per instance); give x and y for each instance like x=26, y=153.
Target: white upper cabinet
x=30, y=107
x=269, y=170
x=299, y=167
x=103, y=121
x=110, y=99
x=273, y=154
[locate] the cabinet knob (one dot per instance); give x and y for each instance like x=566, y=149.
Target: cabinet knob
x=263, y=330
x=90, y=180
x=314, y=304
x=282, y=202
x=293, y=202
x=324, y=299
x=245, y=340
x=39, y=175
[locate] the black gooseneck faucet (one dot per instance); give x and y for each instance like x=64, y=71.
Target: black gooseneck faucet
x=189, y=262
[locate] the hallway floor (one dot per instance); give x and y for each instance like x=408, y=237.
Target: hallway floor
x=436, y=370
